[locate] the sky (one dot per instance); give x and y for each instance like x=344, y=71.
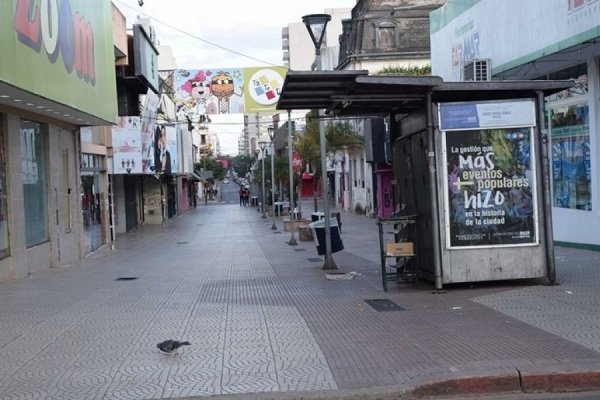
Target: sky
x=224, y=34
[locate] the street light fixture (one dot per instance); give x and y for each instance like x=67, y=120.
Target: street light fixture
x=271, y=132
x=316, y=24
x=263, y=145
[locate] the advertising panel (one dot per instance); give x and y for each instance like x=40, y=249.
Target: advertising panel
x=202, y=92
x=127, y=146
x=60, y=50
x=141, y=148
x=571, y=156
x=490, y=194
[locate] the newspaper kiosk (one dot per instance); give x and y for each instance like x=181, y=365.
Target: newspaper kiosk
x=469, y=160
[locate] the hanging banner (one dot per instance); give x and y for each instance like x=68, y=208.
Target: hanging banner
x=203, y=92
x=490, y=191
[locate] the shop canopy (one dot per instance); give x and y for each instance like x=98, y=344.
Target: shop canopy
x=347, y=93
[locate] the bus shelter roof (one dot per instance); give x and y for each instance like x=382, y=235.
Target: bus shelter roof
x=348, y=93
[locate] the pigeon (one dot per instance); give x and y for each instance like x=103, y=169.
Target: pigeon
x=171, y=346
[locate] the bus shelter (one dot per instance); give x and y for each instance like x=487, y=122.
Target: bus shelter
x=470, y=165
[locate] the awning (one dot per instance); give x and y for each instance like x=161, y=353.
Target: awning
x=354, y=92
x=347, y=93
x=194, y=176
x=204, y=175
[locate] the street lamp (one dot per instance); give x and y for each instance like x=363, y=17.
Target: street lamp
x=316, y=25
x=263, y=145
x=271, y=132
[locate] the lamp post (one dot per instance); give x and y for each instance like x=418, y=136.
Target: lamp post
x=316, y=25
x=262, y=146
x=271, y=132
x=292, y=241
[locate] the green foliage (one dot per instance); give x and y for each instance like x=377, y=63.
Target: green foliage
x=210, y=164
x=241, y=164
x=412, y=70
x=339, y=136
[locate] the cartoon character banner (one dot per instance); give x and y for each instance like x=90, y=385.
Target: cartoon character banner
x=201, y=92
x=490, y=191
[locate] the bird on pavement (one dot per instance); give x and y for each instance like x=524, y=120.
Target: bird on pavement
x=171, y=346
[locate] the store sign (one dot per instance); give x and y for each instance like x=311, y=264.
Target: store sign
x=490, y=194
x=56, y=30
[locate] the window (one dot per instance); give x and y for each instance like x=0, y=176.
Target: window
x=4, y=250
x=568, y=120
x=35, y=193
x=385, y=35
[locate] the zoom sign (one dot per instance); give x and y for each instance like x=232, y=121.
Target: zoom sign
x=51, y=26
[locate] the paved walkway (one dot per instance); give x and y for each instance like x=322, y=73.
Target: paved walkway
x=263, y=320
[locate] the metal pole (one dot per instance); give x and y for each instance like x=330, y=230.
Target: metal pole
x=273, y=226
x=262, y=161
x=292, y=241
x=542, y=145
x=433, y=191
x=328, y=262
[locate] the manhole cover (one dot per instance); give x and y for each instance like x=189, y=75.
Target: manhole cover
x=126, y=278
x=299, y=249
x=314, y=259
x=384, y=305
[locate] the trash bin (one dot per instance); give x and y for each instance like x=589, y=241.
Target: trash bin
x=316, y=216
x=318, y=229
x=338, y=217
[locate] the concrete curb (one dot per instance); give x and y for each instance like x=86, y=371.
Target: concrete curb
x=518, y=382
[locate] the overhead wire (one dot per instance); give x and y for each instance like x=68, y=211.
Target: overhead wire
x=196, y=37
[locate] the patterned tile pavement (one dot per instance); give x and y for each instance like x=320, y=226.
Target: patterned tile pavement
x=262, y=318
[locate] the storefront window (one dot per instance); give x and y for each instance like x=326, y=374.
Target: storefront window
x=571, y=164
x=91, y=167
x=35, y=192
x=3, y=196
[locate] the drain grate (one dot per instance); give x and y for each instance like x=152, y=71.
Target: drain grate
x=126, y=278
x=312, y=259
x=182, y=242
x=384, y=305
x=299, y=249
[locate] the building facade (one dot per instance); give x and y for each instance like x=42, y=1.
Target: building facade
x=562, y=42
x=51, y=85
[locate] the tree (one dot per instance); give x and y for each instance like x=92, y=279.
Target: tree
x=210, y=164
x=241, y=164
x=339, y=136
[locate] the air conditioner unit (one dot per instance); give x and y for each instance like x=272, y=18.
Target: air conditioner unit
x=477, y=70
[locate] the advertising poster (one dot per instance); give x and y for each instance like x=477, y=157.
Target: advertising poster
x=490, y=187
x=127, y=146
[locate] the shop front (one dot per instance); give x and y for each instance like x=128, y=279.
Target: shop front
x=563, y=45
x=40, y=118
